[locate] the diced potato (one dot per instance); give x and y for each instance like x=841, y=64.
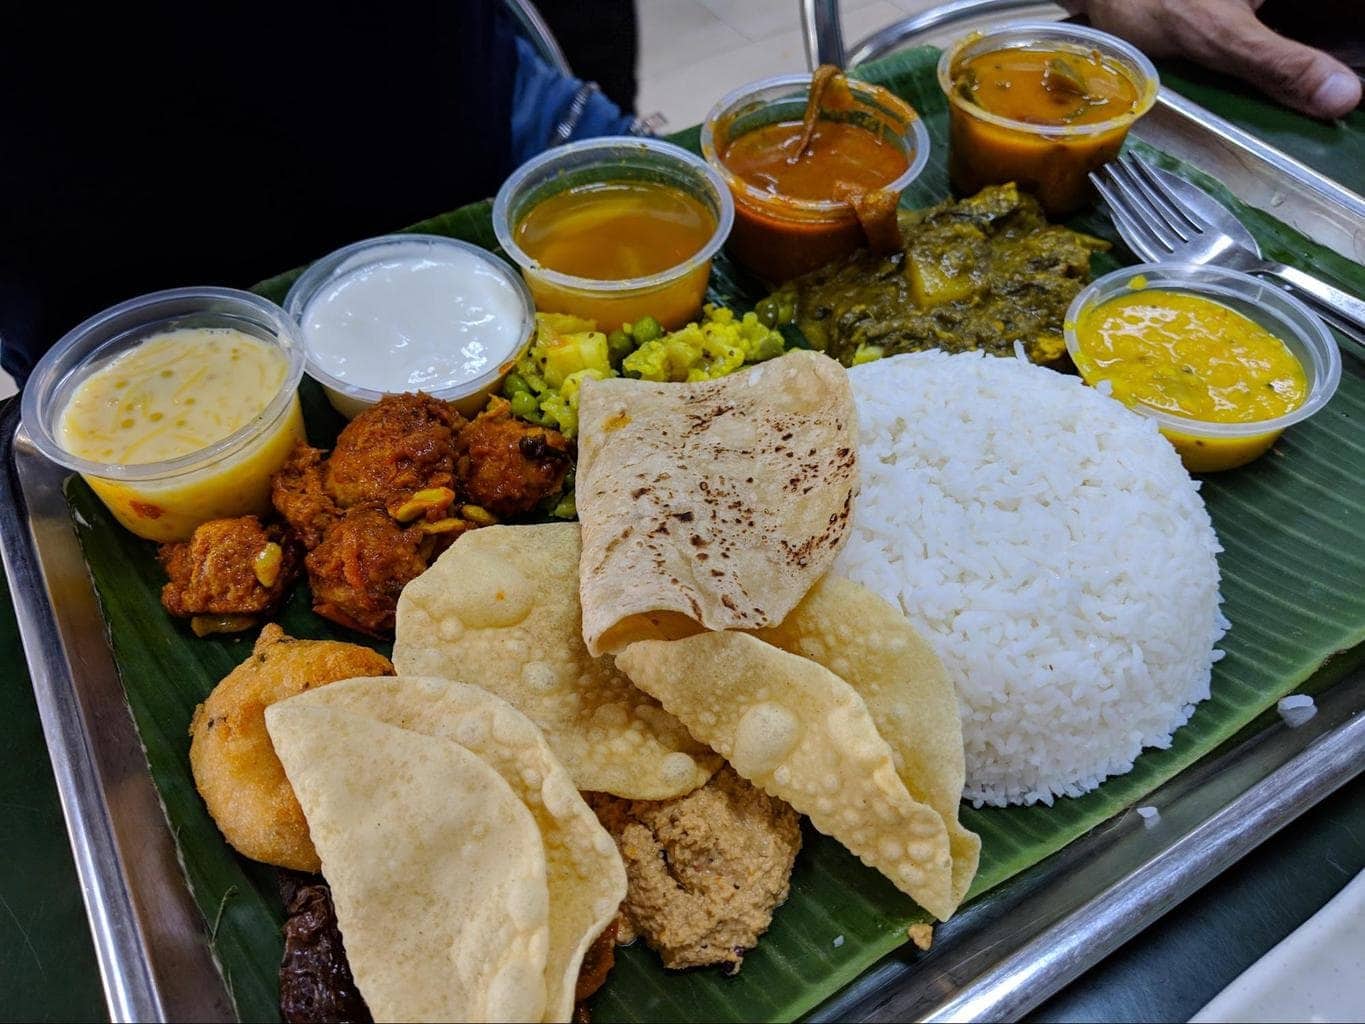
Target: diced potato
x=571, y=353
x=931, y=285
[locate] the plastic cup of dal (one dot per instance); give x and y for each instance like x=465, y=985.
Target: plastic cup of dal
x=411, y=312
x=672, y=296
x=1204, y=446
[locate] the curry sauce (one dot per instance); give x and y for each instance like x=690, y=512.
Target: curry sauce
x=841, y=159
x=1043, y=117
x=1047, y=87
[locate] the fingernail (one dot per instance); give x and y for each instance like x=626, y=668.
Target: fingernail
x=1338, y=95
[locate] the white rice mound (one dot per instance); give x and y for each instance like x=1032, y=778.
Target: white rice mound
x=1050, y=545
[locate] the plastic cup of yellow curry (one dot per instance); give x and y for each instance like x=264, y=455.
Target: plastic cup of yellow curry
x=1221, y=360
x=175, y=407
x=1041, y=104
x=615, y=230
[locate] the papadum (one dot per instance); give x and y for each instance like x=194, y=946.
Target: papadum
x=870, y=645
x=500, y=610
x=436, y=866
x=584, y=872
x=801, y=733
x=711, y=505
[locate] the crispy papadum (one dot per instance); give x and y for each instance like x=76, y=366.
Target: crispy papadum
x=500, y=610
x=798, y=731
x=436, y=866
x=711, y=505
x=871, y=646
x=234, y=765
x=584, y=872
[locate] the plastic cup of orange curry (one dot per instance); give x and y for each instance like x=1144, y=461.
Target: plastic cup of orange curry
x=791, y=214
x=615, y=230
x=1041, y=104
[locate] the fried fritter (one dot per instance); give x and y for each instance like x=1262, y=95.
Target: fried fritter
x=388, y=453
x=235, y=767
x=705, y=870
x=230, y=570
x=297, y=493
x=374, y=513
x=361, y=567
x=509, y=466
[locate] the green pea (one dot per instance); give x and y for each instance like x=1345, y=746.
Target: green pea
x=619, y=345
x=647, y=329
x=514, y=384
x=524, y=404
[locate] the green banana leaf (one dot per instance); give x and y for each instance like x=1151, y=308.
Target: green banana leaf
x=1292, y=570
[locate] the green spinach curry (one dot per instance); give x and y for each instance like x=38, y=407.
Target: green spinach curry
x=979, y=273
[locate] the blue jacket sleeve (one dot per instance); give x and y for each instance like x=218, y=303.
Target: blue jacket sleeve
x=549, y=108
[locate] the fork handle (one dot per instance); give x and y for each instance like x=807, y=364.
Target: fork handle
x=1340, y=306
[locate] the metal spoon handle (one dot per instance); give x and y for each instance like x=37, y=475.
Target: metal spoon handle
x=1340, y=307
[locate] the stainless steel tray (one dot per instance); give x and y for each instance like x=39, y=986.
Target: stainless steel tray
x=997, y=959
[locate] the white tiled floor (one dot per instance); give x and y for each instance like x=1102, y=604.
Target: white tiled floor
x=692, y=52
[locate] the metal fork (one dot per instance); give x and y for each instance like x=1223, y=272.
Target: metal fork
x=1162, y=216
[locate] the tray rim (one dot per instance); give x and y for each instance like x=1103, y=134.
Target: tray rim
x=150, y=938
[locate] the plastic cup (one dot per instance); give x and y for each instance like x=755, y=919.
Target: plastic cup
x=779, y=237
x=673, y=296
x=1207, y=447
x=1051, y=161
x=351, y=397
x=166, y=500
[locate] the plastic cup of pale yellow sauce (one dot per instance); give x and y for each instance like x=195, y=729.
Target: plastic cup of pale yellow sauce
x=672, y=296
x=166, y=499
x=1207, y=447
x=1049, y=160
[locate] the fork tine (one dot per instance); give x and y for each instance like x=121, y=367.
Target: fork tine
x=1133, y=228
x=1132, y=233
x=1125, y=175
x=1125, y=207
x=1173, y=202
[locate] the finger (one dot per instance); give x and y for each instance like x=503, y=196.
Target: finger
x=1299, y=76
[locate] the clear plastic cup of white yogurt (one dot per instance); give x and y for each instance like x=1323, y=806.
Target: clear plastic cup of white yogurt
x=411, y=313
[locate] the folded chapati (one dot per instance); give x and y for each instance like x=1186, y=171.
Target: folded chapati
x=713, y=505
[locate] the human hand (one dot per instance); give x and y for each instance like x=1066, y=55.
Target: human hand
x=1227, y=36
